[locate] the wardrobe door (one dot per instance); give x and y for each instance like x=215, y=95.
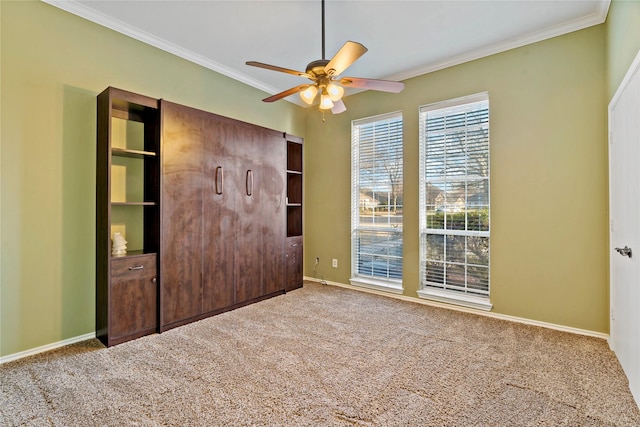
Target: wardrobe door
x=260, y=257
x=219, y=215
x=272, y=211
x=249, y=229
x=134, y=296
x=181, y=213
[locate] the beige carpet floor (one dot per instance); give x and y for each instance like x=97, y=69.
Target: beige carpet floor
x=326, y=356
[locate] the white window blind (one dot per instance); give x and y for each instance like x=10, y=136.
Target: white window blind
x=454, y=195
x=377, y=197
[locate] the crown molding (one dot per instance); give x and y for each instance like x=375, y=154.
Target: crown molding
x=603, y=9
x=595, y=18
x=89, y=14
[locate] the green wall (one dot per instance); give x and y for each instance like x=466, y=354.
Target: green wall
x=549, y=163
x=623, y=40
x=53, y=66
x=549, y=203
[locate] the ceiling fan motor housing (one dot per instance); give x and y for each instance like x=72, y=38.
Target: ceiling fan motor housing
x=316, y=68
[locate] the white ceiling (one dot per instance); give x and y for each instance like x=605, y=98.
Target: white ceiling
x=404, y=38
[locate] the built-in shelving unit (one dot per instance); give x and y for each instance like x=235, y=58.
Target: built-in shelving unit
x=178, y=184
x=294, y=187
x=127, y=202
x=294, y=212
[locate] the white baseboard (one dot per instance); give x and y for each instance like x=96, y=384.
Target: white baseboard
x=515, y=319
x=53, y=346
x=46, y=347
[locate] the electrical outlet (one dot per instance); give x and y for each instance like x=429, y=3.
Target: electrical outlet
x=334, y=263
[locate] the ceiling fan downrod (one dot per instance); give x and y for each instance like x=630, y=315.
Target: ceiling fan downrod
x=323, y=56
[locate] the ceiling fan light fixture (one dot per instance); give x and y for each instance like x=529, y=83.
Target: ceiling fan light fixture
x=309, y=94
x=325, y=76
x=325, y=102
x=335, y=91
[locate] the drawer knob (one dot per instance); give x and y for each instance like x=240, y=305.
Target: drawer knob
x=154, y=280
x=137, y=267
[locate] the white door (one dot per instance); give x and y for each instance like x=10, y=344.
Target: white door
x=624, y=193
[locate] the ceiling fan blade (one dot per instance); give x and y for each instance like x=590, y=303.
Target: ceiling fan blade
x=338, y=107
x=286, y=93
x=347, y=55
x=275, y=68
x=373, y=84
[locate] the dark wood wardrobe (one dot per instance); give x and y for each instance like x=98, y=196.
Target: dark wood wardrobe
x=223, y=206
x=228, y=215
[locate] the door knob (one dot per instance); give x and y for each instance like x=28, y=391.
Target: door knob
x=626, y=251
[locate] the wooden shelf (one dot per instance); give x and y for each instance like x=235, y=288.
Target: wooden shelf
x=133, y=203
x=294, y=156
x=134, y=253
x=136, y=154
x=294, y=189
x=294, y=220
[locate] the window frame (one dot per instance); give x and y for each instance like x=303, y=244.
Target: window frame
x=429, y=290
x=393, y=285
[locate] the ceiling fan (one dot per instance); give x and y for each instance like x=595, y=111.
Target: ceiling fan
x=326, y=80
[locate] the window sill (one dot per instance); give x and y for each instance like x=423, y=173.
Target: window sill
x=379, y=285
x=456, y=298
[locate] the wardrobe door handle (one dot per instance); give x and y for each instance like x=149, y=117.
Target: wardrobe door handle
x=219, y=179
x=249, y=183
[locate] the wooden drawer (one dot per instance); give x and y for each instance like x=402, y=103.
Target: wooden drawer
x=132, y=267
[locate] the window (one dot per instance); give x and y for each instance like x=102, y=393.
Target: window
x=376, y=202
x=454, y=201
